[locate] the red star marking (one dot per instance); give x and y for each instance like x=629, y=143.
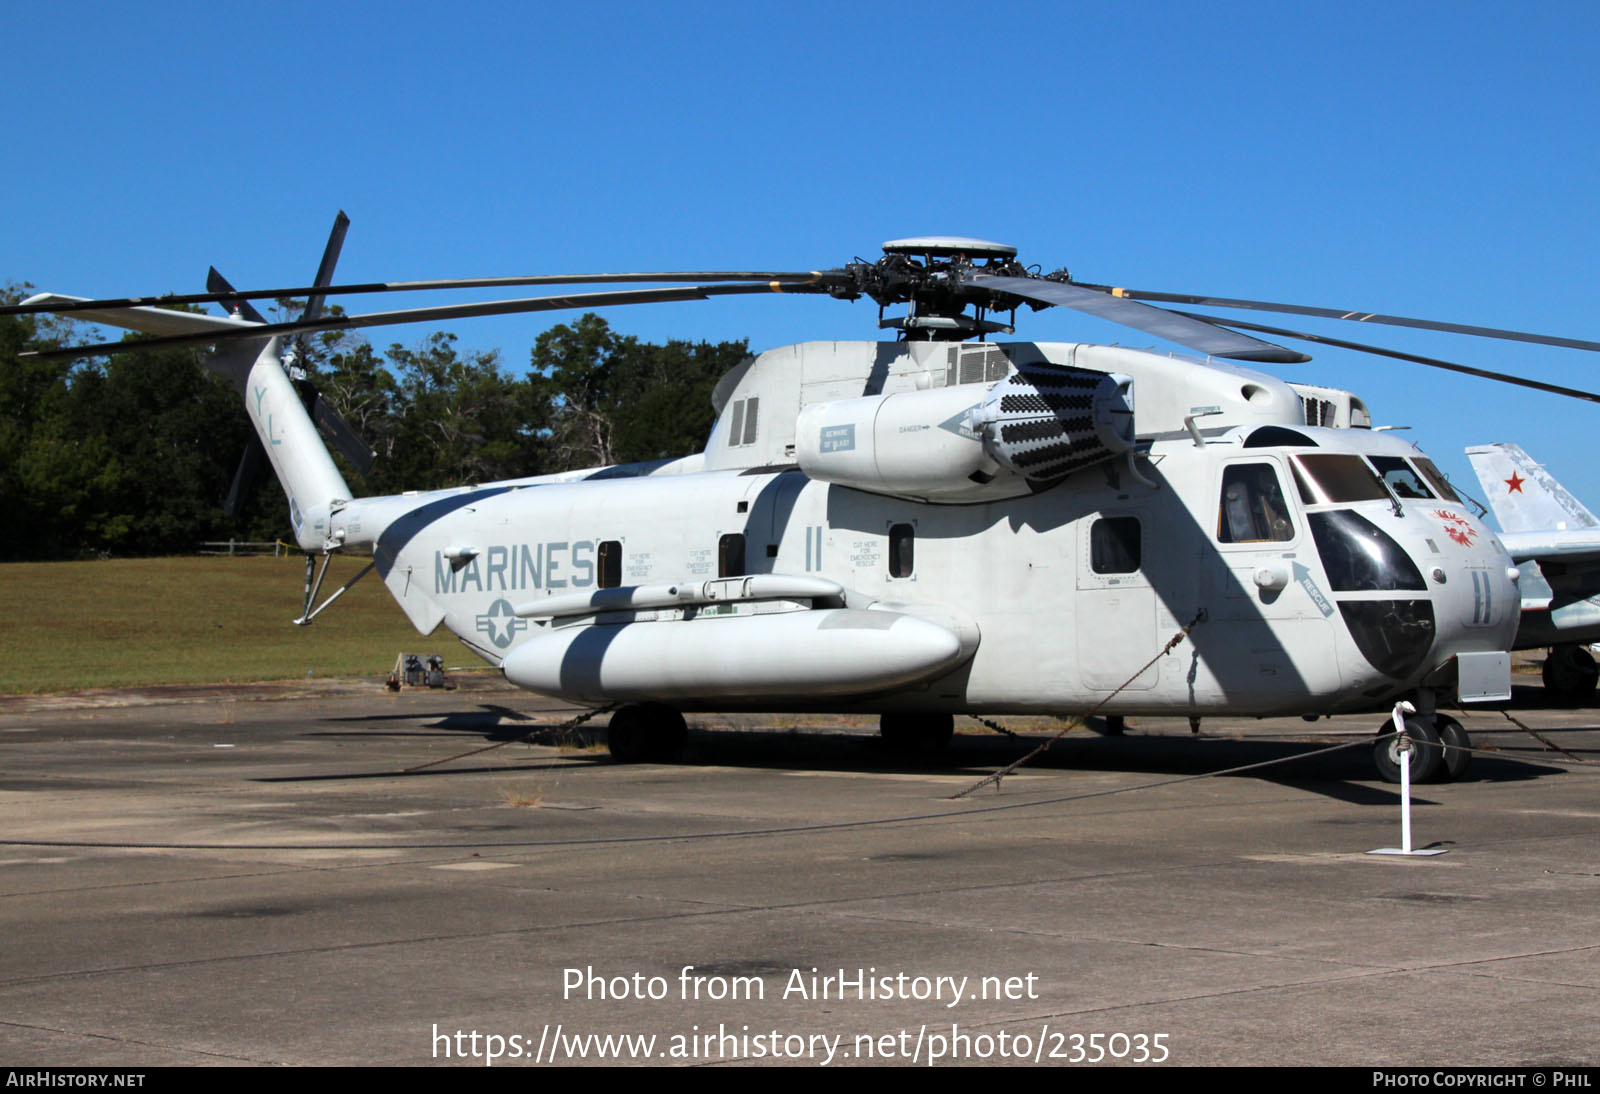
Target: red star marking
x=1515, y=483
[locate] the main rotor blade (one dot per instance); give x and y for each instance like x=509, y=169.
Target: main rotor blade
x=1431, y=362
x=1347, y=314
x=230, y=295
x=1173, y=326
x=426, y=315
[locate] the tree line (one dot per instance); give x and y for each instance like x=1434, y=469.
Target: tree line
x=133, y=453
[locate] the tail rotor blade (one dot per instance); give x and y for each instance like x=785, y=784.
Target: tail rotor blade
x=251, y=466
x=342, y=436
x=337, y=431
x=330, y=259
x=217, y=284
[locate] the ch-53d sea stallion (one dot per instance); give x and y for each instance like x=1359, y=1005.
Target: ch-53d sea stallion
x=930, y=526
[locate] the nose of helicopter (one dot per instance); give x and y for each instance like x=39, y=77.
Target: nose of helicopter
x=1473, y=582
x=1421, y=590
x=1479, y=608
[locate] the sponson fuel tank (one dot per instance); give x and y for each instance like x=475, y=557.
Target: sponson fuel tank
x=826, y=652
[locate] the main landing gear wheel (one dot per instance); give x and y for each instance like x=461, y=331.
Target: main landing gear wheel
x=1425, y=751
x=1570, y=675
x=923, y=735
x=646, y=733
x=1456, y=751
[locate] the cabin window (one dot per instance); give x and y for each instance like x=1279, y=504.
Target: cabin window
x=610, y=564
x=1400, y=478
x=730, y=555
x=1253, y=508
x=902, y=550
x=1115, y=546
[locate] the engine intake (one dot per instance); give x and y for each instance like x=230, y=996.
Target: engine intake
x=1043, y=422
x=963, y=443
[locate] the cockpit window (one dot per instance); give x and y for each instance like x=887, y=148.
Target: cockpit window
x=1253, y=508
x=1342, y=478
x=1440, y=486
x=1399, y=476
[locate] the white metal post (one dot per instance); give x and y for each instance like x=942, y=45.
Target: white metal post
x=1404, y=745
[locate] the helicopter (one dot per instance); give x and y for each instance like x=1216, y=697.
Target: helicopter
x=936, y=525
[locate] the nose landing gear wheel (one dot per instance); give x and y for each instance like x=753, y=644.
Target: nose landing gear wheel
x=1425, y=751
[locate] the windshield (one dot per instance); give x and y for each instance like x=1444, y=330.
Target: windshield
x=1331, y=478
x=1400, y=478
x=1440, y=486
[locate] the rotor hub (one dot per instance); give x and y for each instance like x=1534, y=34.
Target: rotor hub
x=949, y=247
x=930, y=275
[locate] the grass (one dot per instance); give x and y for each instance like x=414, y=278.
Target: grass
x=131, y=622
x=581, y=741
x=515, y=797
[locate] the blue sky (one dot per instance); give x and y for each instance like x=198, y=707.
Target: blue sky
x=1434, y=159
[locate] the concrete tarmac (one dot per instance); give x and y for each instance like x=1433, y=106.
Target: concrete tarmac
x=248, y=876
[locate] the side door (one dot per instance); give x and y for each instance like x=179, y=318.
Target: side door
x=1262, y=592
x=1116, y=628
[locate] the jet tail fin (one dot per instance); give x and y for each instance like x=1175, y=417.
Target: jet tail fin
x=1524, y=496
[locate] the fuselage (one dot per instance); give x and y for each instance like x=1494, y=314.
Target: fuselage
x=1315, y=569
x=943, y=526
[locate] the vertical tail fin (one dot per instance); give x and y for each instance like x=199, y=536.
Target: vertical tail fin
x=254, y=366
x=301, y=461
x=282, y=404
x=1524, y=496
